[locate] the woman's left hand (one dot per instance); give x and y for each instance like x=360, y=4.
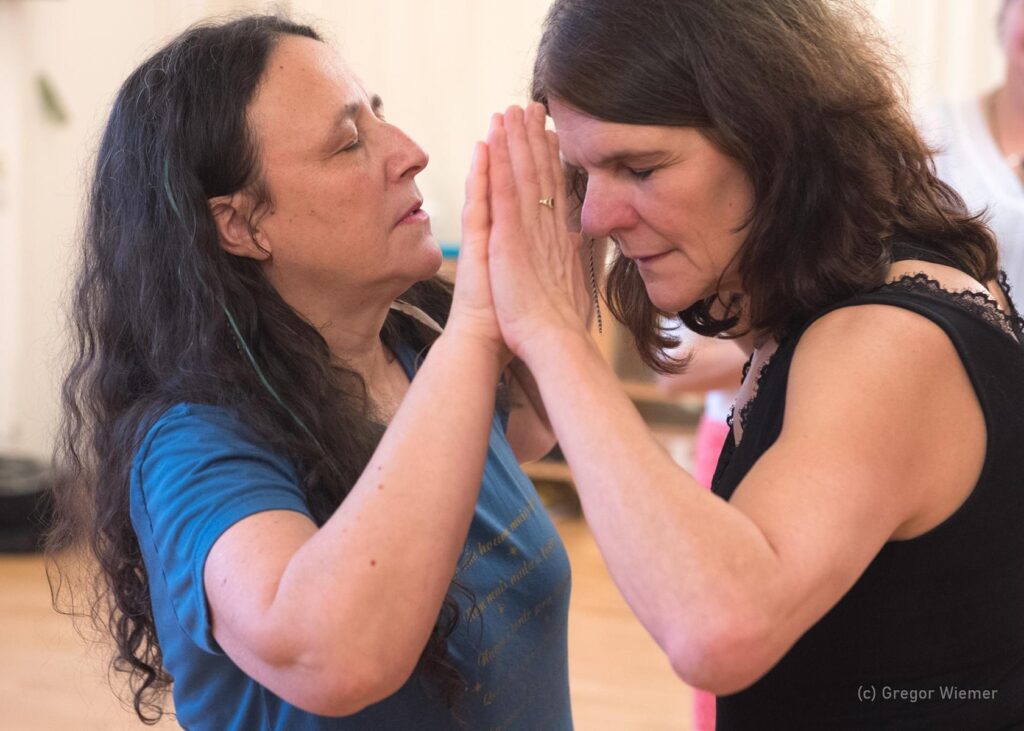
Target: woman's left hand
x=472, y=312
x=536, y=276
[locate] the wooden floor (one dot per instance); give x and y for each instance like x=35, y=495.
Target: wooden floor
x=619, y=679
x=50, y=681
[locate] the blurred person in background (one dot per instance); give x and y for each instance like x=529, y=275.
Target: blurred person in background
x=979, y=146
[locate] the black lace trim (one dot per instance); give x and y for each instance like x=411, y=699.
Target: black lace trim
x=1017, y=321
x=745, y=410
x=743, y=378
x=980, y=304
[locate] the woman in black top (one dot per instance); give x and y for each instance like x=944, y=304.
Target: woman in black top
x=861, y=563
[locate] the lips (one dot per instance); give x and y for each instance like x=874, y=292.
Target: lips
x=411, y=210
x=640, y=258
x=648, y=258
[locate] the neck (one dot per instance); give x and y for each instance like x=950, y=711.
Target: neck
x=354, y=339
x=1012, y=92
x=1006, y=116
x=351, y=326
x=752, y=339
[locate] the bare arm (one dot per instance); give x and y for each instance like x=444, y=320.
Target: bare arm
x=727, y=588
x=883, y=438
x=530, y=433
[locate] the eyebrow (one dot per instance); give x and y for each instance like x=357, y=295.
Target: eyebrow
x=618, y=156
x=351, y=111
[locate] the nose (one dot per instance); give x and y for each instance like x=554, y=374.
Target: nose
x=407, y=158
x=605, y=210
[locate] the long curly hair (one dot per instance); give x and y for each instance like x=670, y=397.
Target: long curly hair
x=151, y=328
x=804, y=96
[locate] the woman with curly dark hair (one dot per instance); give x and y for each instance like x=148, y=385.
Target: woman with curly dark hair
x=272, y=448
x=861, y=561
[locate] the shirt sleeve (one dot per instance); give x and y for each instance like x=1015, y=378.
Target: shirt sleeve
x=197, y=473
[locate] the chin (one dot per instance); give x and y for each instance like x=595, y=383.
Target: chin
x=670, y=300
x=429, y=258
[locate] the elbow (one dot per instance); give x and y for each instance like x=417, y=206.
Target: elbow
x=535, y=446
x=543, y=444
x=348, y=693
x=725, y=659
x=329, y=681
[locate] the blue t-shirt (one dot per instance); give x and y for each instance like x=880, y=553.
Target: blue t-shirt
x=199, y=470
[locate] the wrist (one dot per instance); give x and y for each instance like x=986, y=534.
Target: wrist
x=549, y=346
x=465, y=341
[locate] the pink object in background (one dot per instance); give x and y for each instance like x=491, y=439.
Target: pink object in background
x=711, y=435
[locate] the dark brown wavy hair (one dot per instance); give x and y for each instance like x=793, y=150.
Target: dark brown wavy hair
x=803, y=94
x=151, y=330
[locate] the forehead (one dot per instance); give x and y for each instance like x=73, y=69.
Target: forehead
x=304, y=85
x=586, y=140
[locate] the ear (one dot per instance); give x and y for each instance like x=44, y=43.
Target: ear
x=231, y=216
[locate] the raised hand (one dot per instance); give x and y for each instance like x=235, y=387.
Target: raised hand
x=537, y=280
x=472, y=305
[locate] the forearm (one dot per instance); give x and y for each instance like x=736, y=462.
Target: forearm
x=369, y=584
x=683, y=558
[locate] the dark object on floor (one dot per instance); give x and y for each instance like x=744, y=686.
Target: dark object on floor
x=25, y=504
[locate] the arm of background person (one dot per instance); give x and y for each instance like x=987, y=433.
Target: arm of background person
x=715, y=364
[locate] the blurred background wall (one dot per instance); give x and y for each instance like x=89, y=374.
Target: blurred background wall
x=442, y=67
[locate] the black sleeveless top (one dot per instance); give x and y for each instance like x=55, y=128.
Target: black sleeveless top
x=932, y=634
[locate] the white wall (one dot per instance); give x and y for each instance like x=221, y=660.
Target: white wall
x=950, y=47
x=442, y=67
x=11, y=82
x=85, y=48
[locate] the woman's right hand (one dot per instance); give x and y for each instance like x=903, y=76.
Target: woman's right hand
x=536, y=273
x=472, y=311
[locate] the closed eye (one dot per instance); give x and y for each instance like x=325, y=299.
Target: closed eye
x=641, y=174
x=353, y=145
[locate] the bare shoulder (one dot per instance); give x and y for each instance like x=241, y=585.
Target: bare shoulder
x=884, y=387
x=950, y=279
x=888, y=374
x=895, y=334
x=873, y=342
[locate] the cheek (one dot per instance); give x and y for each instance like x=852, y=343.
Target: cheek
x=326, y=217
